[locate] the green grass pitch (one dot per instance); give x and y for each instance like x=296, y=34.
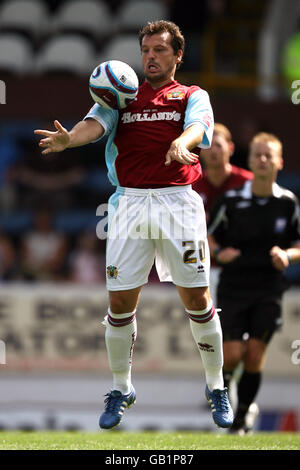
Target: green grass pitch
x=121, y=440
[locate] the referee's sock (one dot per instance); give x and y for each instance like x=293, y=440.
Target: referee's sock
x=247, y=390
x=207, y=333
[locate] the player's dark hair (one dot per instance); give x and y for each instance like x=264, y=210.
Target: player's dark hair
x=161, y=26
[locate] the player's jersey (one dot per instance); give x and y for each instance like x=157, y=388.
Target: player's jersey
x=140, y=135
x=254, y=225
x=211, y=193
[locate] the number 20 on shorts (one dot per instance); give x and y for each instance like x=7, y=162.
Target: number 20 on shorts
x=188, y=255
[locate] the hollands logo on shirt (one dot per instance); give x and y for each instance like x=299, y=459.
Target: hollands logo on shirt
x=151, y=116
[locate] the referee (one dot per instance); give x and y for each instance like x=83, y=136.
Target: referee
x=254, y=234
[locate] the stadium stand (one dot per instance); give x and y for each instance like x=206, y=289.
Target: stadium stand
x=90, y=17
x=16, y=54
x=133, y=14
x=68, y=222
x=70, y=53
x=29, y=17
x=123, y=47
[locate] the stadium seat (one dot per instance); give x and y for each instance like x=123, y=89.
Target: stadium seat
x=16, y=222
x=89, y=17
x=29, y=17
x=134, y=14
x=16, y=56
x=66, y=54
x=73, y=222
x=123, y=47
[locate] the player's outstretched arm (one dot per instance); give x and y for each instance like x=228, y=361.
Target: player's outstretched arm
x=82, y=133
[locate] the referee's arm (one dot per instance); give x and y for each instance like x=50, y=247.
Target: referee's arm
x=281, y=259
x=221, y=254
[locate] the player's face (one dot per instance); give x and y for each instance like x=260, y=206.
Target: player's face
x=219, y=152
x=158, y=59
x=265, y=160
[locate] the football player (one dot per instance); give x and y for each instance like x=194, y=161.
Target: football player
x=152, y=157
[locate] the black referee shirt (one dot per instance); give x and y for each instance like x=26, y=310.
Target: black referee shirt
x=254, y=225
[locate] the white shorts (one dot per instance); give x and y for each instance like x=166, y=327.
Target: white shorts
x=165, y=225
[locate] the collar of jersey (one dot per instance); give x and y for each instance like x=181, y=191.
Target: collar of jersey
x=172, y=82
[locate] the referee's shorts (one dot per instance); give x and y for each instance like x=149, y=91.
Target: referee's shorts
x=250, y=317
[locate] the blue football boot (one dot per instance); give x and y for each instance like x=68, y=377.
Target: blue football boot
x=220, y=407
x=115, y=404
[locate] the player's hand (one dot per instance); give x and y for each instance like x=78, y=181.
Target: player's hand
x=228, y=255
x=181, y=154
x=279, y=258
x=54, y=141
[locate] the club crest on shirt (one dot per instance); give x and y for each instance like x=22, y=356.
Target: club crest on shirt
x=112, y=272
x=175, y=95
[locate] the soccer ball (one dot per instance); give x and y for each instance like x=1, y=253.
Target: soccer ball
x=113, y=84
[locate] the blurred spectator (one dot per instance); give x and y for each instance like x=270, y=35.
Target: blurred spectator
x=10, y=152
x=77, y=179
x=7, y=258
x=50, y=177
x=87, y=263
x=43, y=251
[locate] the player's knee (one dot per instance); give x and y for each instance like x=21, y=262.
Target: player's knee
x=231, y=362
x=124, y=301
x=254, y=362
x=197, y=299
x=233, y=354
x=118, y=304
x=254, y=358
